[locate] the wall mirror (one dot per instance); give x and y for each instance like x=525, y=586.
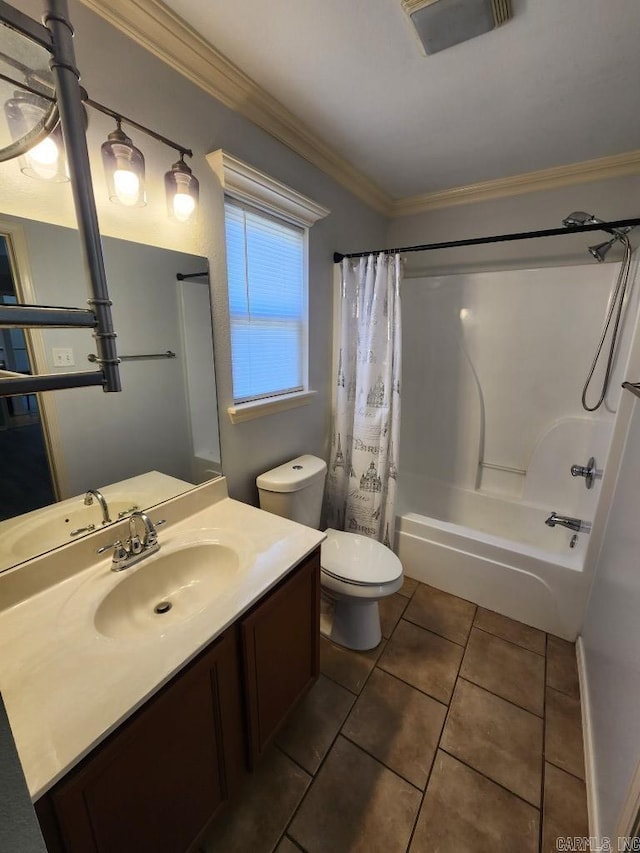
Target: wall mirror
x=155, y=439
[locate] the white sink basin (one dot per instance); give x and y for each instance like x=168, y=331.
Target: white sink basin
x=169, y=588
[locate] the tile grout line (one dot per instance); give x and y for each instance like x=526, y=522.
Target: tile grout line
x=412, y=686
x=497, y=696
x=408, y=683
x=374, y=667
x=489, y=779
x=511, y=642
x=332, y=744
x=469, y=681
x=382, y=763
x=314, y=776
x=442, y=728
x=564, y=770
x=292, y=759
x=431, y=631
x=409, y=597
x=565, y=693
x=398, y=620
x=540, y=716
x=308, y=788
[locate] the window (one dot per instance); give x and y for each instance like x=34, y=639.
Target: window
x=267, y=227
x=266, y=260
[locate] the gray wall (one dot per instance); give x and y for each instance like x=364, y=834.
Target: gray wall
x=611, y=637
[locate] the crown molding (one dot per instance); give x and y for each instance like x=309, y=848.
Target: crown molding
x=604, y=168
x=155, y=27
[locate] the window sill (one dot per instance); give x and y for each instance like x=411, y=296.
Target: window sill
x=260, y=408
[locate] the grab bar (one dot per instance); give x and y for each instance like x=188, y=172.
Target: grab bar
x=494, y=467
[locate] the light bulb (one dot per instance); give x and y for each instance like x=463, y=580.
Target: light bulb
x=183, y=206
x=124, y=169
x=127, y=186
x=43, y=158
x=182, y=191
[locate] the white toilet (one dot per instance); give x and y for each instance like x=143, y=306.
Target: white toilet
x=356, y=572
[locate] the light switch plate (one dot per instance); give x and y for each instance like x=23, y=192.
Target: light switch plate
x=62, y=356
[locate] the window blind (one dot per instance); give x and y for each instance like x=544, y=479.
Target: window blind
x=267, y=303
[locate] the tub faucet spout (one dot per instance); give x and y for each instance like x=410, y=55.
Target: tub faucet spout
x=565, y=521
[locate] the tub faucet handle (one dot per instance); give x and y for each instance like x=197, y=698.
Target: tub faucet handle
x=587, y=471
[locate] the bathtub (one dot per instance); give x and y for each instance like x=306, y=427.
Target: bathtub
x=495, y=552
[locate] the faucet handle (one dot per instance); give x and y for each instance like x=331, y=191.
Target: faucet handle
x=587, y=471
x=120, y=553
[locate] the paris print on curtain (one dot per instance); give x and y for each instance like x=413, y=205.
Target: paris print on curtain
x=363, y=465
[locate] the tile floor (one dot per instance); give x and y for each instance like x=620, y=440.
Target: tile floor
x=460, y=733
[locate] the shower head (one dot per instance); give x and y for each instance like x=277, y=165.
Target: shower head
x=599, y=252
x=579, y=217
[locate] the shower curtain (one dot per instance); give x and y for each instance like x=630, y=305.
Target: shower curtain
x=363, y=464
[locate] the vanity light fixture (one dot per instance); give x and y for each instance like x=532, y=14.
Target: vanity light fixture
x=123, y=168
x=33, y=121
x=183, y=191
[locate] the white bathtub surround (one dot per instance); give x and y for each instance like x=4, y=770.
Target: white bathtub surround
x=364, y=463
x=493, y=361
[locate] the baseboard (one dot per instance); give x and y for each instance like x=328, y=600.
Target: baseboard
x=587, y=738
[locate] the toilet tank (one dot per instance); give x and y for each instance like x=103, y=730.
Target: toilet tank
x=294, y=490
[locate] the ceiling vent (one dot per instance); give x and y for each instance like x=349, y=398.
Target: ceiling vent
x=443, y=23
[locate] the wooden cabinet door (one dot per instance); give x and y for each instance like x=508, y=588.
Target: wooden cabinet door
x=157, y=782
x=281, y=648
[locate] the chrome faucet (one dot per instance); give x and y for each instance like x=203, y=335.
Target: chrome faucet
x=576, y=524
x=88, y=500
x=134, y=549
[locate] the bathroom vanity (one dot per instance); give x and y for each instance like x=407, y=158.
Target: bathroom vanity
x=133, y=735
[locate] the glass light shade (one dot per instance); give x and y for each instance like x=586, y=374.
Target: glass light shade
x=182, y=190
x=45, y=160
x=124, y=170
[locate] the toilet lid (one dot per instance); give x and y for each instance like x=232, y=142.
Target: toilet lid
x=358, y=559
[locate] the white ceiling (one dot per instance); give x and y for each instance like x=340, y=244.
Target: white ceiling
x=556, y=85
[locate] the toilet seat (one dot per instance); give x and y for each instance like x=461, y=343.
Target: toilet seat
x=358, y=561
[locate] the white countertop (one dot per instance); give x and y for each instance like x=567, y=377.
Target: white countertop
x=66, y=686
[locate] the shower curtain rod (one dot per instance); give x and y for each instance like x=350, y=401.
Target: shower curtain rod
x=499, y=238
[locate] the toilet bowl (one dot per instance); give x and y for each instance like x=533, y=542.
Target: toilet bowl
x=356, y=572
